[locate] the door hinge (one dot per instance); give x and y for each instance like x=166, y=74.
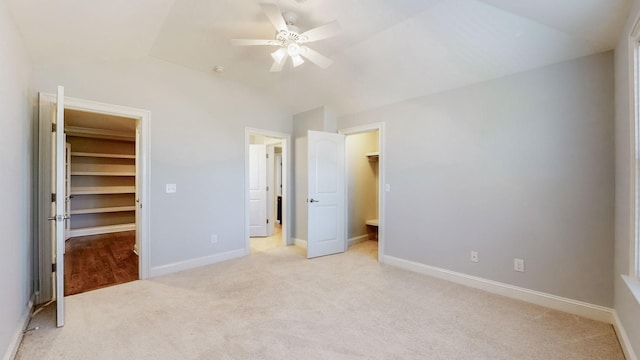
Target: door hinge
x=267, y=221
x=267, y=188
x=53, y=127
x=53, y=267
x=53, y=197
x=267, y=156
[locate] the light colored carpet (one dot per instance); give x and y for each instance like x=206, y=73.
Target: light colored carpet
x=278, y=305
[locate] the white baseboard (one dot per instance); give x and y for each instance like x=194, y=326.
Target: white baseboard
x=629, y=354
x=352, y=241
x=194, y=263
x=16, y=339
x=300, y=242
x=590, y=311
x=357, y=240
x=97, y=230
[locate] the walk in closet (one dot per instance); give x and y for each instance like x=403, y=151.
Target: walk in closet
x=102, y=177
x=362, y=157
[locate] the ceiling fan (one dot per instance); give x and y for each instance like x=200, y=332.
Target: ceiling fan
x=290, y=41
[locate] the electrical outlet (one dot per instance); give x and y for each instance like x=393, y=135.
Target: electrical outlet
x=474, y=256
x=171, y=188
x=214, y=238
x=518, y=265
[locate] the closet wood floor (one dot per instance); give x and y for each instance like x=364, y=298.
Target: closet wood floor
x=96, y=261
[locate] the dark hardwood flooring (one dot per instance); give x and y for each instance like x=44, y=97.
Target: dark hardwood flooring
x=96, y=261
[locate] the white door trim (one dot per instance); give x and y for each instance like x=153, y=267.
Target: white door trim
x=286, y=178
x=144, y=116
x=381, y=182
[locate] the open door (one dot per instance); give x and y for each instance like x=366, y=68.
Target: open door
x=271, y=185
x=59, y=217
x=67, y=186
x=257, y=190
x=326, y=195
x=136, y=246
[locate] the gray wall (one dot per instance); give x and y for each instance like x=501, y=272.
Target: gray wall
x=520, y=166
x=626, y=306
x=16, y=180
x=197, y=142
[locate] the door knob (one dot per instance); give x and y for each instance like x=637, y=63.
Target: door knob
x=313, y=200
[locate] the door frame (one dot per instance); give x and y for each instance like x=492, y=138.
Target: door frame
x=381, y=183
x=142, y=227
x=286, y=177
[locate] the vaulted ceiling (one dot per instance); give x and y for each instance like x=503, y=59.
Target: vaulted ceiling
x=388, y=50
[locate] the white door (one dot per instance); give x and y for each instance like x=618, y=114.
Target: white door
x=326, y=195
x=136, y=246
x=278, y=161
x=67, y=182
x=271, y=200
x=257, y=190
x=59, y=216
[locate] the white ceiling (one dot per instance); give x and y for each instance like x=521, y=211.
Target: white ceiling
x=388, y=50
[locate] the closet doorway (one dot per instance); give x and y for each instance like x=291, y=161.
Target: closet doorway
x=106, y=181
x=100, y=246
x=365, y=196
x=266, y=190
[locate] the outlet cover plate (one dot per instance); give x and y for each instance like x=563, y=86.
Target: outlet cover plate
x=518, y=265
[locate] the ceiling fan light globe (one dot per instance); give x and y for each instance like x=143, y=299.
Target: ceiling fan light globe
x=279, y=55
x=293, y=49
x=297, y=60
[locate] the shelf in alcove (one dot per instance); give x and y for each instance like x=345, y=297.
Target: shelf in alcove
x=98, y=190
x=103, y=210
x=103, y=155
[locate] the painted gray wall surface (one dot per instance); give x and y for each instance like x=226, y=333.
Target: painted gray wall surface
x=518, y=167
x=16, y=139
x=626, y=306
x=308, y=120
x=362, y=182
x=197, y=142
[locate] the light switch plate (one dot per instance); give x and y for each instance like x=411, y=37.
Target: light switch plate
x=171, y=188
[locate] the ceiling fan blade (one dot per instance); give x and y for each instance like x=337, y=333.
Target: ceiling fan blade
x=275, y=16
x=316, y=58
x=250, y=42
x=277, y=66
x=322, y=32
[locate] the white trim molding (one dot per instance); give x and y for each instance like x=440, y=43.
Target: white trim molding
x=287, y=179
x=102, y=230
x=16, y=339
x=300, y=242
x=144, y=117
x=625, y=343
x=194, y=263
x=634, y=111
x=382, y=160
x=590, y=311
x=634, y=286
x=357, y=240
